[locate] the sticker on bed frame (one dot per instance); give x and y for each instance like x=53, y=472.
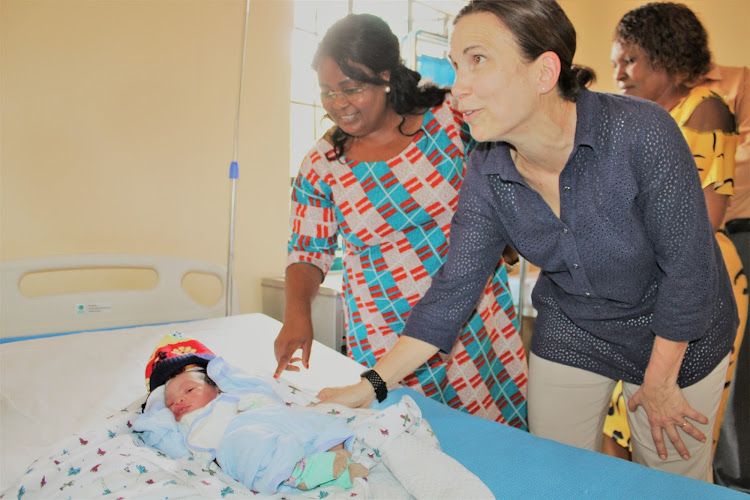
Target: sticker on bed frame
x=94, y=307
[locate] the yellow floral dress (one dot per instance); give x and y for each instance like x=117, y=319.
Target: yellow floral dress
x=713, y=152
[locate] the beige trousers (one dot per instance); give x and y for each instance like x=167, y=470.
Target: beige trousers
x=569, y=405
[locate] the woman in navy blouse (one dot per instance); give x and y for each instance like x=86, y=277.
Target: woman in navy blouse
x=601, y=192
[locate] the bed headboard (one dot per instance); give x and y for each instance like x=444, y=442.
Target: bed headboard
x=167, y=301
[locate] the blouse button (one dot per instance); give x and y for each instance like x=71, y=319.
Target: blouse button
x=566, y=188
x=565, y=230
x=588, y=294
x=575, y=266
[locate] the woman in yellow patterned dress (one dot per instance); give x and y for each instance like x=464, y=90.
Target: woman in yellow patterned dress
x=660, y=52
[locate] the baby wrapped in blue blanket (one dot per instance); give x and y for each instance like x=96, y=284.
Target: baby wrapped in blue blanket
x=200, y=405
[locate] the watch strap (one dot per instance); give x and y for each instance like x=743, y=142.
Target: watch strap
x=381, y=390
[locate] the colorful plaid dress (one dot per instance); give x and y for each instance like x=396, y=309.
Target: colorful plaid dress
x=394, y=218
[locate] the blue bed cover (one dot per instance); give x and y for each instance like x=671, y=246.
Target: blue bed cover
x=515, y=464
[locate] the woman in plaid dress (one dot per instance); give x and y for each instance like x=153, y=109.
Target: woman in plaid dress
x=386, y=179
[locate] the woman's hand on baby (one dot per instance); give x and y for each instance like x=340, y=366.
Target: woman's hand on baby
x=359, y=395
x=668, y=410
x=297, y=333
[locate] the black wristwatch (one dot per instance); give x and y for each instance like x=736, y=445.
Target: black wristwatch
x=381, y=390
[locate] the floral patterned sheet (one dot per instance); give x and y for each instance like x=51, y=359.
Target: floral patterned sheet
x=111, y=461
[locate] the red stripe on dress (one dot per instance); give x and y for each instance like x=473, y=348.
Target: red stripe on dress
x=455, y=402
x=394, y=162
x=438, y=210
x=434, y=178
x=364, y=234
x=363, y=205
x=388, y=180
x=516, y=422
x=414, y=154
x=520, y=353
x=419, y=273
x=412, y=300
x=413, y=185
x=369, y=184
x=494, y=335
x=408, y=205
x=386, y=210
x=348, y=179
x=509, y=331
x=459, y=384
x=398, y=274
x=312, y=177
x=345, y=208
x=491, y=355
x=384, y=230
x=391, y=317
x=473, y=407
x=430, y=127
x=462, y=357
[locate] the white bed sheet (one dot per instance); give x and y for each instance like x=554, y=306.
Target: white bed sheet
x=51, y=388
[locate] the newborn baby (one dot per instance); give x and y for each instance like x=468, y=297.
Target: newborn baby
x=239, y=422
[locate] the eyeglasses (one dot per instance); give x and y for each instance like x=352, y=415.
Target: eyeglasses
x=348, y=94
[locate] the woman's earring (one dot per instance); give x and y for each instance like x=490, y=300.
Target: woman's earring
x=387, y=89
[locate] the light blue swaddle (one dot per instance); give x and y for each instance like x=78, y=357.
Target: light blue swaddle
x=260, y=446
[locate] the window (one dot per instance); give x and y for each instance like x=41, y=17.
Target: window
x=421, y=25
x=311, y=20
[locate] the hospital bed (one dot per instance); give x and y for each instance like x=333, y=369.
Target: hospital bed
x=53, y=386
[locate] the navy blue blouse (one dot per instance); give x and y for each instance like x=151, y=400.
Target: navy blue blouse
x=631, y=256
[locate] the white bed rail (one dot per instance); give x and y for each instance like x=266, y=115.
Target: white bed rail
x=167, y=301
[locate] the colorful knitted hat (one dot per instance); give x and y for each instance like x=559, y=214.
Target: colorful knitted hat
x=172, y=353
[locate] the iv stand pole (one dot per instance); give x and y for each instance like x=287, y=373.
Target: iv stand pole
x=234, y=171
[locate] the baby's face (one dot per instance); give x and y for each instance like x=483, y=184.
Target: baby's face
x=187, y=392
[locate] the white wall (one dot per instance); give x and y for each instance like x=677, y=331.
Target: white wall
x=118, y=129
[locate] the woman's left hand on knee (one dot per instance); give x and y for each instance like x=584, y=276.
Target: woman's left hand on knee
x=667, y=409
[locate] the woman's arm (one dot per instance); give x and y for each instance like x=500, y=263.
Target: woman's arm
x=717, y=206
x=301, y=284
x=684, y=247
x=407, y=355
x=660, y=395
x=311, y=247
